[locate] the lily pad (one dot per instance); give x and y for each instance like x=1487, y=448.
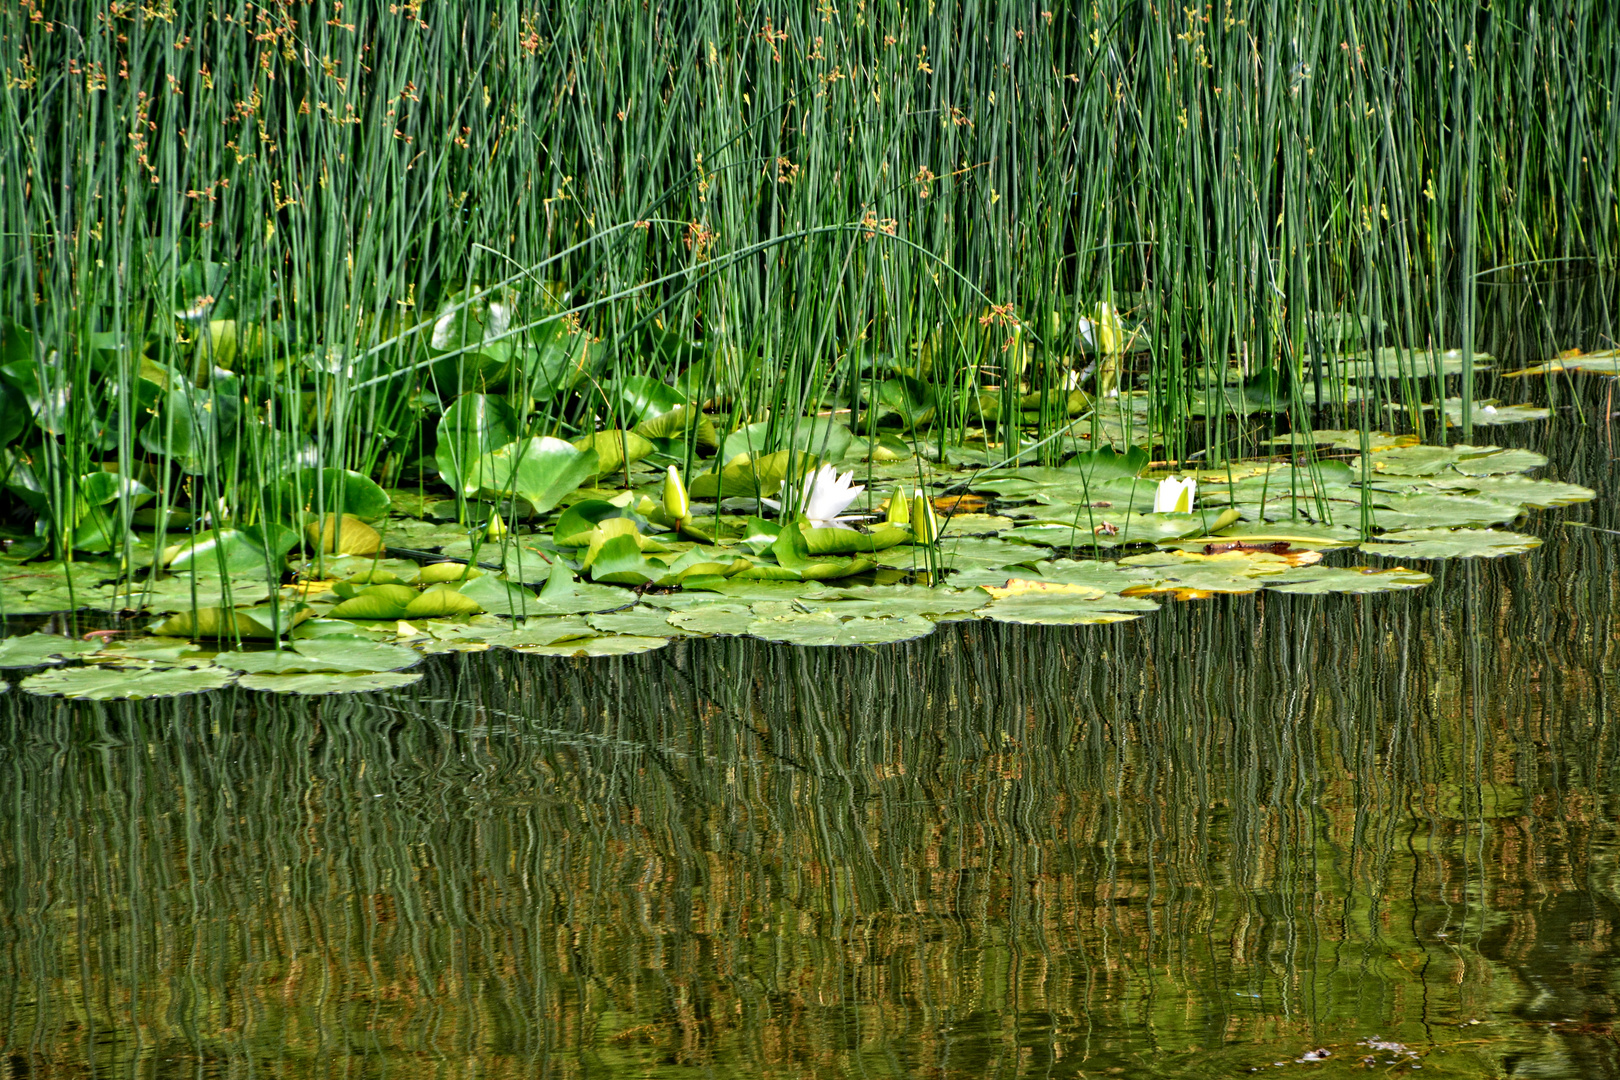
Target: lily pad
x=639, y=621
x=376, y=602
x=615, y=645
x=1535, y=494
x=1439, y=460
x=823, y=628
x=1451, y=544
x=1067, y=608
x=112, y=684
x=1321, y=580
x=538, y=470
x=908, y=600
x=256, y=623
x=35, y=650
x=1190, y=575
x=323, y=654
x=715, y=617
x=441, y=601
x=328, y=683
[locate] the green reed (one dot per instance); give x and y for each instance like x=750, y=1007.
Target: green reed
x=782, y=205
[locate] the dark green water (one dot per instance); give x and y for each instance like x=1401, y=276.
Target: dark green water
x=1195, y=845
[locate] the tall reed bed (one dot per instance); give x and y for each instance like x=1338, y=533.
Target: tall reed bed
x=247, y=239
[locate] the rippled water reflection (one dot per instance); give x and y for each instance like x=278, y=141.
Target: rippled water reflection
x=1214, y=840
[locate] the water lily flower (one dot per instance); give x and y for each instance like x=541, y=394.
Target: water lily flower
x=826, y=495
x=676, y=503
x=1175, y=496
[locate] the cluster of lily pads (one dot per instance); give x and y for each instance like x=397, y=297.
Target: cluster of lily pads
x=784, y=548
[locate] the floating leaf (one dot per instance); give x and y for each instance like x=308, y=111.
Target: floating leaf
x=1190, y=575
x=500, y=597
x=441, y=572
x=1437, y=460
x=1026, y=587
x=824, y=628
x=619, y=645
x=1053, y=607
x=376, y=602
x=909, y=600
x=715, y=617
x=1536, y=494
x=563, y=595
x=323, y=654
x=255, y=624
x=34, y=650
x=639, y=621
x=111, y=684
x=1451, y=544
x=328, y=683
x=441, y=601
x=1320, y=580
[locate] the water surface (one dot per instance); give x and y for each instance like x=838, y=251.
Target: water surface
x=1221, y=838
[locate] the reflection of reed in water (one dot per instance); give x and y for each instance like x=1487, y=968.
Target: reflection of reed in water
x=1249, y=826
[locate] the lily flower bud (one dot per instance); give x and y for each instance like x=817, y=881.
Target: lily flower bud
x=676, y=503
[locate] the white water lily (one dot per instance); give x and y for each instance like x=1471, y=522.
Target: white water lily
x=826, y=495
x=1175, y=496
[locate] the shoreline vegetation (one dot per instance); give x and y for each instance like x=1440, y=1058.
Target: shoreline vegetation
x=575, y=291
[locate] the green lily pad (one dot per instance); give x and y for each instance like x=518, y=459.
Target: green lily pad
x=823, y=628
x=539, y=470
x=616, y=645
x=1451, y=544
x=716, y=617
x=376, y=602
x=499, y=597
x=639, y=621
x=35, y=650
x=563, y=595
x=111, y=684
x=1440, y=511
x=908, y=600
x=441, y=601
x=1191, y=575
x=1535, y=494
x=744, y=476
x=323, y=654
x=473, y=425
x=1396, y=363
x=328, y=682
x=1321, y=580
x=1067, y=609
x=538, y=631
x=1439, y=460
x=152, y=650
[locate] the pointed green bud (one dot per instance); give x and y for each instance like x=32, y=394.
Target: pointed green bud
x=496, y=530
x=676, y=503
x=899, y=507
x=924, y=525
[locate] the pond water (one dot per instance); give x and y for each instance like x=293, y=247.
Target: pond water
x=1301, y=835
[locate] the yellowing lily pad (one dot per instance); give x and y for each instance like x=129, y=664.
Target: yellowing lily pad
x=376, y=602
x=1023, y=586
x=1451, y=544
